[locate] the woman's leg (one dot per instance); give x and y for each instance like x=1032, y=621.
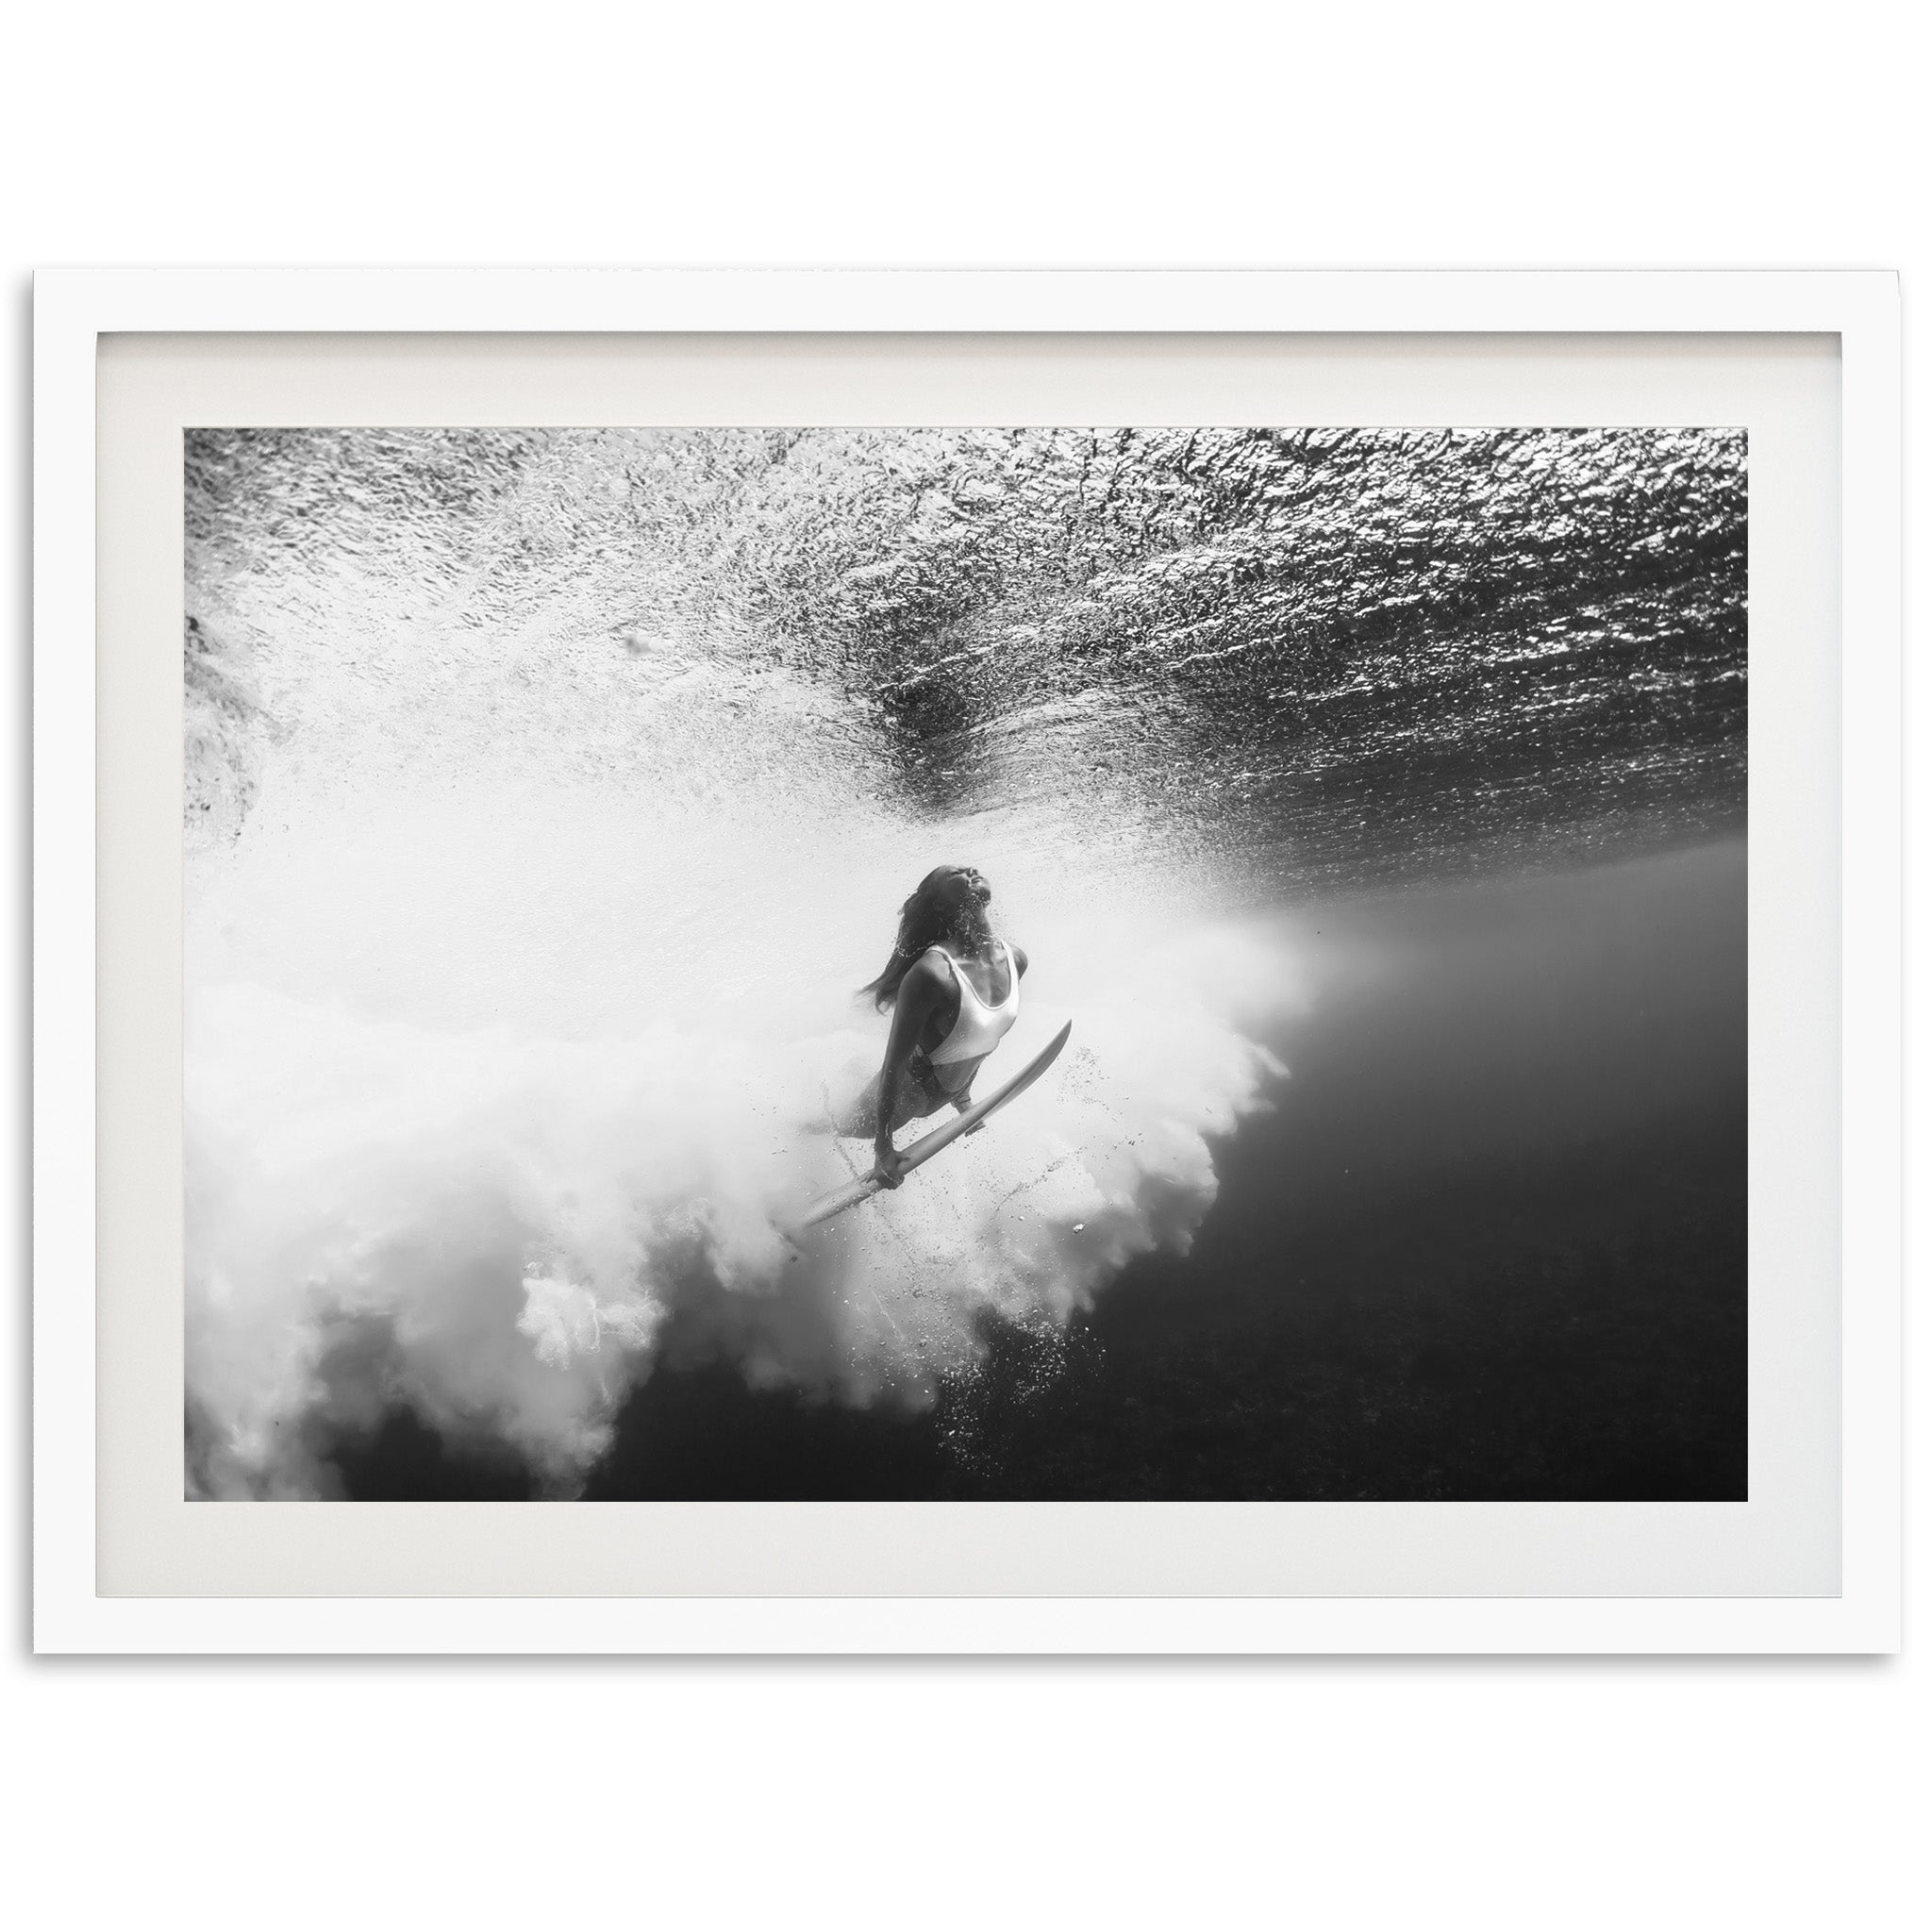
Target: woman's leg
x=911, y=1103
x=859, y=1119
x=962, y=1097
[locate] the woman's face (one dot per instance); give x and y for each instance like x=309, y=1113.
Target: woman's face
x=961, y=884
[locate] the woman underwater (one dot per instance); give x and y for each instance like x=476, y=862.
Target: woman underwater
x=954, y=991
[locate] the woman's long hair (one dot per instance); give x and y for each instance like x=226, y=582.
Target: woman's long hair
x=925, y=920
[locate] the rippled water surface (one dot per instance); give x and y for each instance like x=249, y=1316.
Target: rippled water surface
x=1331, y=653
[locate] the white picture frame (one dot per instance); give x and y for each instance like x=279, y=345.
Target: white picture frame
x=74, y=309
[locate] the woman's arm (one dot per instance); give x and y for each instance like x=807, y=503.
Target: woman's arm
x=920, y=993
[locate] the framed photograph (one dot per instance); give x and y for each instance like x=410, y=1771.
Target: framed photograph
x=966, y=962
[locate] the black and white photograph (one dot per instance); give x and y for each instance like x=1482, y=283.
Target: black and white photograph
x=1074, y=964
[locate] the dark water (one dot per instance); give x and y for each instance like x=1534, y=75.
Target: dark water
x=1492, y=1244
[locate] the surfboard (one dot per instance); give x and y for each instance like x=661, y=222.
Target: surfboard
x=923, y=1149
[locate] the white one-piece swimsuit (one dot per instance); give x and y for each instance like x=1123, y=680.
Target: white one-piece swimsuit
x=980, y=1026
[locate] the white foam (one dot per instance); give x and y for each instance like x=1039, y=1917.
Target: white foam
x=515, y=1013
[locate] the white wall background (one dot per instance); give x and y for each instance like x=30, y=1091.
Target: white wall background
x=1686, y=134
